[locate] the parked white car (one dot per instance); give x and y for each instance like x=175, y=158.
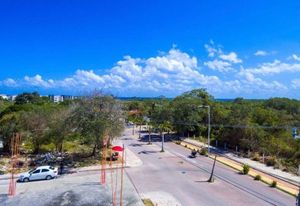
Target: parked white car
x=39, y=173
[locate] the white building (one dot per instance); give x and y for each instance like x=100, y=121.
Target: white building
x=12, y=97
x=56, y=98
x=4, y=96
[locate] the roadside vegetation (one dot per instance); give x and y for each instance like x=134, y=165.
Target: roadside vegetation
x=257, y=129
x=76, y=127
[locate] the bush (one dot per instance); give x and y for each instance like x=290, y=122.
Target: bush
x=257, y=177
x=203, y=151
x=256, y=157
x=246, y=169
x=271, y=161
x=274, y=183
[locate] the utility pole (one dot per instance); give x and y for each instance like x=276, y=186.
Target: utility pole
x=208, y=125
x=211, y=178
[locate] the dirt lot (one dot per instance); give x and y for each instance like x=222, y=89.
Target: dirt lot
x=82, y=188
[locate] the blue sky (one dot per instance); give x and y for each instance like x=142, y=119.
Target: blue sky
x=150, y=48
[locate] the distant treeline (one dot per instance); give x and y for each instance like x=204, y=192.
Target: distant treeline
x=260, y=126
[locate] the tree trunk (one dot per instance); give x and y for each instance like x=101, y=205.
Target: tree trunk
x=94, y=150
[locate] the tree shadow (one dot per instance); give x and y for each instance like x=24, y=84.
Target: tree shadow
x=148, y=152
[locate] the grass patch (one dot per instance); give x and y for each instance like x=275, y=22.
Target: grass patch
x=147, y=202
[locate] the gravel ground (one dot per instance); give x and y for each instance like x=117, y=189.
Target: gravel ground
x=82, y=188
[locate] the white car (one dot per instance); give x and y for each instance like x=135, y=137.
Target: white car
x=39, y=173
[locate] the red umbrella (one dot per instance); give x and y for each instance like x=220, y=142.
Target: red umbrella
x=117, y=148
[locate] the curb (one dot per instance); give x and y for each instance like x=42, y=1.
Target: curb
x=238, y=168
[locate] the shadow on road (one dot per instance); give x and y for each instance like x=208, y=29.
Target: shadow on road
x=157, y=138
x=148, y=152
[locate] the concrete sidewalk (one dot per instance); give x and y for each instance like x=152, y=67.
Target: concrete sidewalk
x=285, y=186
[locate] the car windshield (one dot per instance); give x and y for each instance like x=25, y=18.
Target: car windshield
x=30, y=171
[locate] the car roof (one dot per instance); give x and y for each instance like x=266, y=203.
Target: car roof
x=43, y=167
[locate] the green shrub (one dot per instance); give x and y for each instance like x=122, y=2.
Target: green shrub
x=203, y=151
x=257, y=177
x=271, y=161
x=246, y=169
x=274, y=183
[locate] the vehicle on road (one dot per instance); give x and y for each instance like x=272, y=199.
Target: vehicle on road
x=39, y=173
x=193, y=154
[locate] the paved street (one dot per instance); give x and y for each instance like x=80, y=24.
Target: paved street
x=184, y=179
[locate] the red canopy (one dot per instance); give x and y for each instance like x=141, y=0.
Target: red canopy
x=117, y=148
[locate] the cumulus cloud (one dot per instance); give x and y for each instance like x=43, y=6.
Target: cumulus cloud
x=261, y=53
x=221, y=62
x=9, y=83
x=251, y=82
x=295, y=57
x=231, y=57
x=274, y=67
x=170, y=73
x=219, y=65
x=38, y=81
x=174, y=70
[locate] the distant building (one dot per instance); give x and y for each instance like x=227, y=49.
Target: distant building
x=67, y=97
x=4, y=96
x=12, y=97
x=56, y=98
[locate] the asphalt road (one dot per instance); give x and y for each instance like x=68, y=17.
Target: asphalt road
x=172, y=172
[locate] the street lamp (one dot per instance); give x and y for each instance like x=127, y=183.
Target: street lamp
x=208, y=130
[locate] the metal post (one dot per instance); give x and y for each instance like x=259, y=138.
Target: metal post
x=162, y=142
x=208, y=107
x=211, y=178
x=209, y=127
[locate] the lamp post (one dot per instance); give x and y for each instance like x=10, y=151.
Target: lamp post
x=208, y=130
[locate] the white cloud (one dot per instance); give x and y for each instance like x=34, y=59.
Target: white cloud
x=219, y=65
x=261, y=53
x=222, y=62
x=37, y=81
x=169, y=73
x=296, y=83
x=9, y=82
x=295, y=57
x=212, y=49
x=174, y=70
x=231, y=57
x=253, y=83
x=274, y=67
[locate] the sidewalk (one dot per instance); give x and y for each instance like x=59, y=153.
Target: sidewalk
x=268, y=174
